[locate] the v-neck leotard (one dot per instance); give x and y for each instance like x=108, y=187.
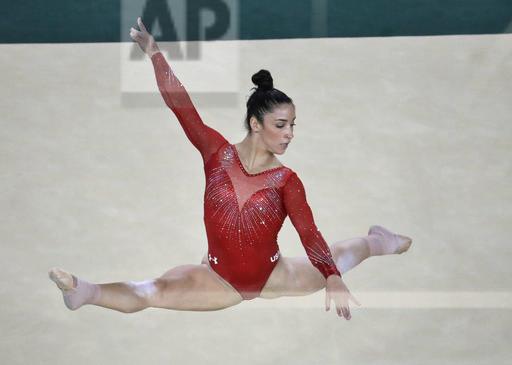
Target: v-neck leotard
x=243, y=212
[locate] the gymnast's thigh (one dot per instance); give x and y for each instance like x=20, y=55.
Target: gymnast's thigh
x=293, y=276
x=194, y=287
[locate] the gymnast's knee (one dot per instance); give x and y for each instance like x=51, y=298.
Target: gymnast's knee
x=336, y=250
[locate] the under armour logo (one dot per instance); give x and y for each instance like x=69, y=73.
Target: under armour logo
x=275, y=257
x=214, y=259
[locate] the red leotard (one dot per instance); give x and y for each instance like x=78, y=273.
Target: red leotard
x=243, y=212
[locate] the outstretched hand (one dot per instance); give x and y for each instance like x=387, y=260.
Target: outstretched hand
x=336, y=290
x=144, y=39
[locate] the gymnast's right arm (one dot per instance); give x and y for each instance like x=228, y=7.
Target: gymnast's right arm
x=205, y=139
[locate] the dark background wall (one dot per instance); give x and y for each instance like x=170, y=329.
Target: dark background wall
x=74, y=21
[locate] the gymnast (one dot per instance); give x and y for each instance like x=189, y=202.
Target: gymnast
x=247, y=197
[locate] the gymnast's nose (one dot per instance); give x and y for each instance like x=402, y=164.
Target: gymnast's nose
x=288, y=133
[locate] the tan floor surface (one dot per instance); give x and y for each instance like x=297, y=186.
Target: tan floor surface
x=410, y=133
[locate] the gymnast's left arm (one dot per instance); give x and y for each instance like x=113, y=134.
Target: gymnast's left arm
x=206, y=139
x=316, y=248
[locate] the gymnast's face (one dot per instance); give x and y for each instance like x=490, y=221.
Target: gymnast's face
x=276, y=132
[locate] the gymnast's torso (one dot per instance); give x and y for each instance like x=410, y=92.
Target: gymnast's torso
x=243, y=214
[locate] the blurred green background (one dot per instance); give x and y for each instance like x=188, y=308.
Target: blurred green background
x=75, y=21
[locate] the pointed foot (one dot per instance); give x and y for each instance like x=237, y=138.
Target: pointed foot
x=400, y=242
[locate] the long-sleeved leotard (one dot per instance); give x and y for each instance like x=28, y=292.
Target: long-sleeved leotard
x=243, y=212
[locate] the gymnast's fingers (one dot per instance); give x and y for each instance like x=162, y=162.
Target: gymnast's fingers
x=327, y=300
x=346, y=313
x=134, y=33
x=141, y=25
x=342, y=307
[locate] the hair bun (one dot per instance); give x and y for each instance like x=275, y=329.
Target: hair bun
x=263, y=80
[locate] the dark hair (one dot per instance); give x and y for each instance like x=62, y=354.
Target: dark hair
x=264, y=98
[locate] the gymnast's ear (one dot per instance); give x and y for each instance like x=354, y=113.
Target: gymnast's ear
x=256, y=125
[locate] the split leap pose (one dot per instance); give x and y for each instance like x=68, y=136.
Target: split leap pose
x=248, y=195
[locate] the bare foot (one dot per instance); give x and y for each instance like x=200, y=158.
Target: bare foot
x=64, y=280
x=399, y=242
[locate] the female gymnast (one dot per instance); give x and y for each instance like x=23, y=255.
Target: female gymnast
x=248, y=195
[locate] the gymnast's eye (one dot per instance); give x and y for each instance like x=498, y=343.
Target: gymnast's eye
x=282, y=125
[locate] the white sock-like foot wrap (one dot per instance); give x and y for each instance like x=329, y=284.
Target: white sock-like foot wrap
x=83, y=293
x=383, y=242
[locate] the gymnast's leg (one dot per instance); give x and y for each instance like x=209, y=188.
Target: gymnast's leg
x=296, y=276
x=379, y=241
x=186, y=287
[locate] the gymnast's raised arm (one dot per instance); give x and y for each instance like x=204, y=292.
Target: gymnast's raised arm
x=204, y=138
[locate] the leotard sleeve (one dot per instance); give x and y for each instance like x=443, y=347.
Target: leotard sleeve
x=206, y=139
x=301, y=217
